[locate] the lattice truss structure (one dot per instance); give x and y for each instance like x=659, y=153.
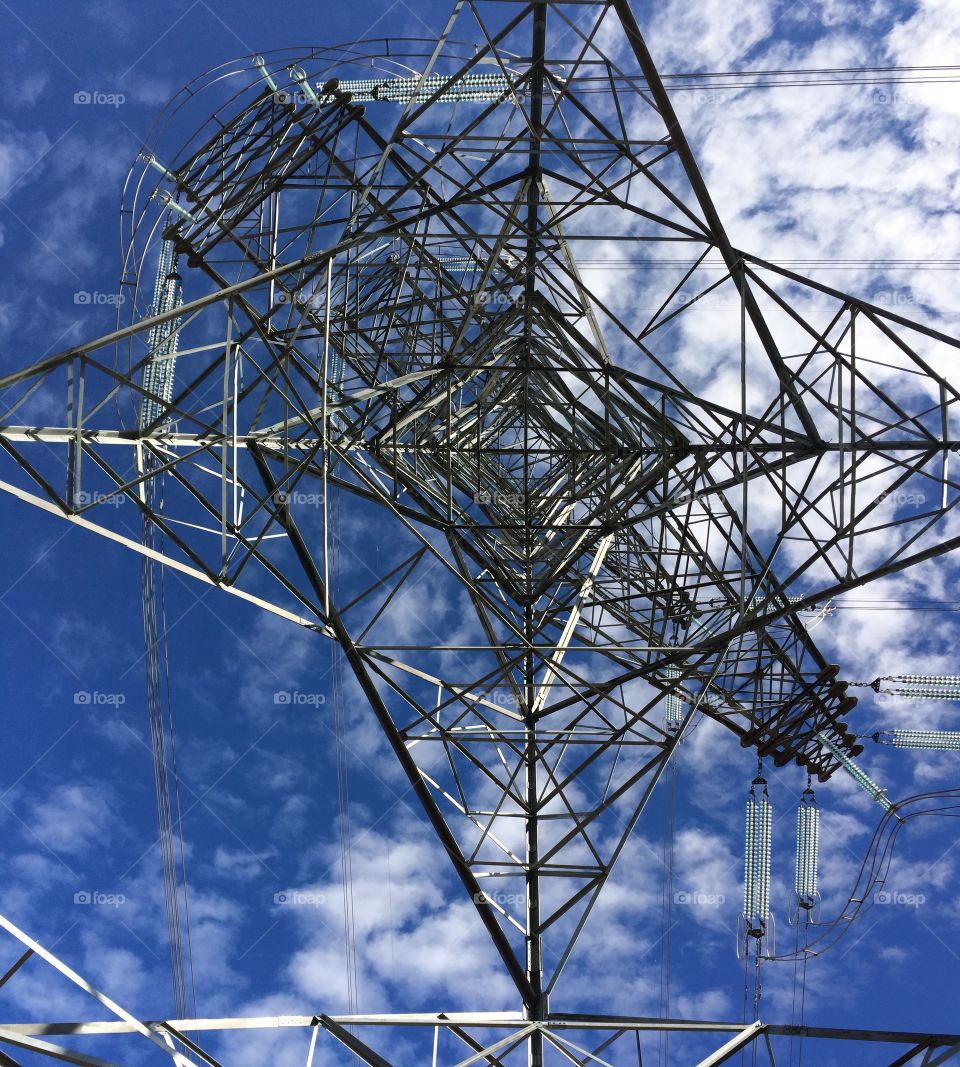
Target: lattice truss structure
x=385, y=300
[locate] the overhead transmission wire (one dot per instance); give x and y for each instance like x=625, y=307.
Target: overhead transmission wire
x=670, y=845
x=882, y=603
x=897, y=604
x=673, y=713
x=339, y=699
x=158, y=380
x=694, y=81
x=826, y=263
x=876, y=863
x=785, y=77
x=803, y=993
x=486, y=87
x=805, y=887
x=343, y=802
x=159, y=707
x=793, y=995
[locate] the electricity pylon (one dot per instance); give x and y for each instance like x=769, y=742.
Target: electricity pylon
x=388, y=292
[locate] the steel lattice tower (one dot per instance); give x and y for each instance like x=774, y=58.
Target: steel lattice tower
x=375, y=288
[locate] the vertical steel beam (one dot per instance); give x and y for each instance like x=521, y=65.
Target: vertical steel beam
x=535, y=1011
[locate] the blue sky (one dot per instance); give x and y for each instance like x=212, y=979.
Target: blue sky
x=852, y=173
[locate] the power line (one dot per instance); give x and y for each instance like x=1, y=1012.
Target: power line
x=787, y=77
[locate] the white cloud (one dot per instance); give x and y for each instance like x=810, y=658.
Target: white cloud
x=72, y=817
